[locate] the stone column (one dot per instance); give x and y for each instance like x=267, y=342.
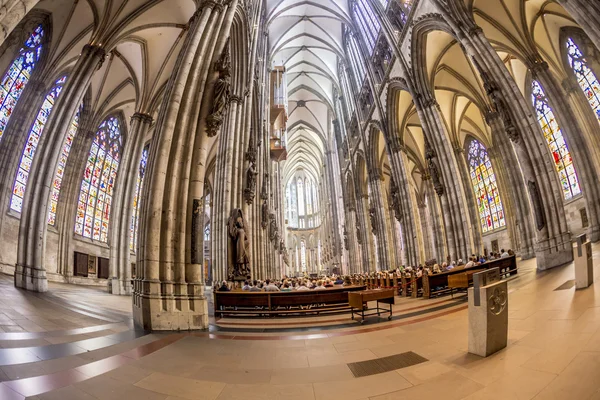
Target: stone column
x=445, y=175
x=377, y=216
x=169, y=295
x=120, y=252
x=509, y=172
x=438, y=233
x=13, y=12
x=471, y=201
x=30, y=272
x=587, y=14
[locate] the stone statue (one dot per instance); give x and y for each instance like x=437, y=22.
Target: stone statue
x=222, y=91
x=373, y=217
x=238, y=267
x=249, y=192
x=346, y=241
x=265, y=215
x=272, y=227
x=396, y=203
x=358, y=235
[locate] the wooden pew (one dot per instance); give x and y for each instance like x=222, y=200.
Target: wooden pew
x=431, y=282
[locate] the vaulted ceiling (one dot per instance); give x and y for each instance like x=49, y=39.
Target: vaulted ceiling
x=306, y=37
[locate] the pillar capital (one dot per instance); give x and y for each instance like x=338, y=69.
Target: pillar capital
x=94, y=51
x=142, y=117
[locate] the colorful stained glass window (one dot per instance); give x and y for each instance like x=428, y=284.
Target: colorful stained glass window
x=133, y=229
x=483, y=179
x=60, y=169
x=20, y=184
x=585, y=76
x=556, y=142
x=99, y=177
x=17, y=76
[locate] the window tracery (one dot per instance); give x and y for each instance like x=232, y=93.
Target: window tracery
x=556, y=142
x=483, y=179
x=95, y=196
x=60, y=168
x=18, y=75
x=585, y=76
x=133, y=230
x=33, y=139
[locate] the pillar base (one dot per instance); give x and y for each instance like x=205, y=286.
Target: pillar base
x=119, y=287
x=157, y=308
x=593, y=234
x=554, y=252
x=31, y=278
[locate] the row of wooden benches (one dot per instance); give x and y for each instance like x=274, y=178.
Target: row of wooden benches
x=428, y=285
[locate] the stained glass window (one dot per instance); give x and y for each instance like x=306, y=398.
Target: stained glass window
x=356, y=61
x=585, y=76
x=17, y=76
x=20, y=184
x=133, y=229
x=301, y=208
x=309, y=208
x=293, y=205
x=60, y=169
x=491, y=212
x=367, y=23
x=348, y=95
x=95, y=197
x=556, y=142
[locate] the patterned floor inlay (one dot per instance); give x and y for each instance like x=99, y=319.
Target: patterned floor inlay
x=567, y=285
x=385, y=364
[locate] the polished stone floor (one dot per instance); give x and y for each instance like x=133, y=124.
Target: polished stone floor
x=79, y=343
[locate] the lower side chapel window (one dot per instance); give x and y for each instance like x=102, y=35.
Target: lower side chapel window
x=483, y=179
x=95, y=196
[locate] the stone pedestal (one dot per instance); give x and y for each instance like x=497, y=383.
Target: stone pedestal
x=488, y=322
x=30, y=278
x=584, y=265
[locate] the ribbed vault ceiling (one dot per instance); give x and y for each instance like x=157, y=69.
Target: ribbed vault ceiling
x=306, y=37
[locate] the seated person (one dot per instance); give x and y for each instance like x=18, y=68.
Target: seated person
x=320, y=285
x=504, y=254
x=436, y=269
x=246, y=286
x=328, y=283
x=339, y=281
x=347, y=281
x=286, y=287
x=224, y=287
x=471, y=263
x=511, y=253
x=302, y=287
x=270, y=286
x=254, y=287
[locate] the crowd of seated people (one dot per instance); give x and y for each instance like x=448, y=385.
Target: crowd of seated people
x=287, y=284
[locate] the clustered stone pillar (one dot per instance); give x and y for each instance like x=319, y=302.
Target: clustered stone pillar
x=120, y=255
x=587, y=15
x=378, y=221
x=169, y=292
x=30, y=272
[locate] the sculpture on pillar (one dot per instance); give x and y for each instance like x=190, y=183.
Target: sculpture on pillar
x=238, y=267
x=250, y=183
x=252, y=148
x=272, y=227
x=433, y=169
x=265, y=215
x=395, y=200
x=373, y=218
x=346, y=241
x=222, y=92
x=359, y=235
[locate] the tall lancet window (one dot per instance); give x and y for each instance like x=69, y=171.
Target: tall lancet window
x=17, y=76
x=303, y=255
x=135, y=216
x=585, y=76
x=556, y=142
x=20, y=184
x=483, y=179
x=301, y=205
x=367, y=23
x=95, y=197
x=359, y=70
x=60, y=168
x=293, y=206
x=309, y=206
